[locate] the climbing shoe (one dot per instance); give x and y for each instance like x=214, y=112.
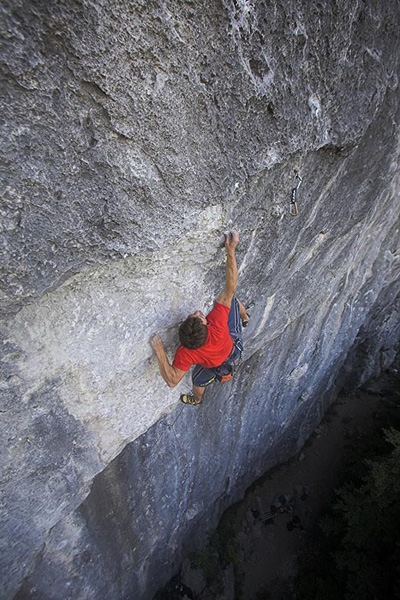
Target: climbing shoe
x=189, y=399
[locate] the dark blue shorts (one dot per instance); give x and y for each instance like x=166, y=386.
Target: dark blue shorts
x=201, y=377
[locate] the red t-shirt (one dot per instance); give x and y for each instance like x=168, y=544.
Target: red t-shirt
x=217, y=346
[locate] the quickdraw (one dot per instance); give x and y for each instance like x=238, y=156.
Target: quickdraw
x=293, y=208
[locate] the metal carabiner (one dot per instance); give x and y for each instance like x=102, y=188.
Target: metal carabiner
x=293, y=208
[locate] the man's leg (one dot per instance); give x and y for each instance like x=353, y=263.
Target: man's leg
x=201, y=378
x=198, y=393
x=237, y=316
x=234, y=322
x=243, y=314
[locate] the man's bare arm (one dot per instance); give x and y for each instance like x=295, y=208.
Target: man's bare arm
x=170, y=374
x=231, y=275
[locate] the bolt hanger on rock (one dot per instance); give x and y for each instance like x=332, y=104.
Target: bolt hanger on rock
x=293, y=208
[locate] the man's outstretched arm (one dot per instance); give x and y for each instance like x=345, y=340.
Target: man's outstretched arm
x=231, y=275
x=170, y=374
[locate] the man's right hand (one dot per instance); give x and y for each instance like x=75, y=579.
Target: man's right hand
x=231, y=240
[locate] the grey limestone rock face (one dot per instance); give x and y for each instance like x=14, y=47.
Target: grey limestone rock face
x=134, y=134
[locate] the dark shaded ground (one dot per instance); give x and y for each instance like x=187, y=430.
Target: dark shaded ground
x=253, y=554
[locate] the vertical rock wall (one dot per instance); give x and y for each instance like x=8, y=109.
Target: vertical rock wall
x=134, y=134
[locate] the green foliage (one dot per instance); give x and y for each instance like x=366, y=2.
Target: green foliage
x=359, y=553
x=208, y=561
x=221, y=550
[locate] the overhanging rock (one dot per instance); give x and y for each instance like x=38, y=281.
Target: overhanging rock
x=134, y=135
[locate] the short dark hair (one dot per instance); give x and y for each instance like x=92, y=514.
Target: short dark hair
x=192, y=333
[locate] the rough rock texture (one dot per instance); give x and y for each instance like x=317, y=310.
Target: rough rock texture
x=134, y=134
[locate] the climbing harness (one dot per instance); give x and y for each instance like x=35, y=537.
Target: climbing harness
x=293, y=209
x=226, y=371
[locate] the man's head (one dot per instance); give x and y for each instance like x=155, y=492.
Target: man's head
x=193, y=331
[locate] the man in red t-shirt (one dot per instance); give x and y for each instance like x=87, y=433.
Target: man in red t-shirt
x=207, y=341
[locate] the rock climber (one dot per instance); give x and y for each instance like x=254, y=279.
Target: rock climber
x=212, y=343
